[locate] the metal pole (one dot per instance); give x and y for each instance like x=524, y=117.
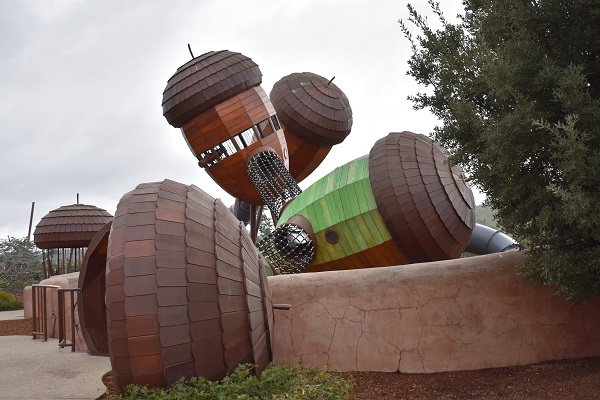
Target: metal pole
x=30, y=221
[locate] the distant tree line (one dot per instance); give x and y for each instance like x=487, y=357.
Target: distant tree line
x=20, y=264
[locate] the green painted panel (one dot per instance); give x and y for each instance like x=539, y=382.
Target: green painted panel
x=357, y=233
x=347, y=232
x=326, y=251
x=337, y=212
x=309, y=193
x=325, y=208
x=342, y=200
x=362, y=200
x=330, y=181
x=373, y=228
x=314, y=216
x=342, y=177
x=381, y=228
x=352, y=171
x=346, y=245
x=346, y=200
x=352, y=192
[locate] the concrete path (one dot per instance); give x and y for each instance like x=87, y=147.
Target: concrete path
x=34, y=369
x=6, y=315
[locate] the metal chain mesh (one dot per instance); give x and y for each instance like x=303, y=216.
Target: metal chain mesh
x=288, y=248
x=273, y=181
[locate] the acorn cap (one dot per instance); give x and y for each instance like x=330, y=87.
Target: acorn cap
x=206, y=81
x=312, y=107
x=70, y=226
x=424, y=201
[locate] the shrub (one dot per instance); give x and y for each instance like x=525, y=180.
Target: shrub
x=8, y=302
x=296, y=382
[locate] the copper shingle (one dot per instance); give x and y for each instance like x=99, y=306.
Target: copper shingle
x=183, y=289
x=312, y=98
x=425, y=203
x=70, y=226
x=206, y=81
x=315, y=115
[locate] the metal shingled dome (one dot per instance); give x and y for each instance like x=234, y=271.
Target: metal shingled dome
x=206, y=81
x=70, y=226
x=424, y=200
x=312, y=107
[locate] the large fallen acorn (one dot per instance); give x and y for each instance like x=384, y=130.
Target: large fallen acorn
x=186, y=289
x=403, y=203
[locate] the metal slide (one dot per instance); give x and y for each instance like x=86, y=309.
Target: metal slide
x=486, y=240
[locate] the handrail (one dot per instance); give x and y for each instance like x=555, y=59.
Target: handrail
x=62, y=339
x=39, y=302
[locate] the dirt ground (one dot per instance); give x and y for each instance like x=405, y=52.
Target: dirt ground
x=564, y=379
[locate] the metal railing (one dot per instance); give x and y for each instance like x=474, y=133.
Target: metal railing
x=39, y=301
x=62, y=339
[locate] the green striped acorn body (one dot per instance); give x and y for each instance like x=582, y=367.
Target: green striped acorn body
x=346, y=223
x=402, y=203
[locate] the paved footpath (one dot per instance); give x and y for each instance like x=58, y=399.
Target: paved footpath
x=6, y=315
x=34, y=369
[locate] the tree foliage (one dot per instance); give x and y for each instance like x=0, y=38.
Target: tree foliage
x=516, y=86
x=265, y=227
x=20, y=264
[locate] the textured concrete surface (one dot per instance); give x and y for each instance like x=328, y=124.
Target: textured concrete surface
x=460, y=314
x=34, y=369
x=27, y=306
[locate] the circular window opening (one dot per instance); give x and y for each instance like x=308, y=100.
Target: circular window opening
x=332, y=236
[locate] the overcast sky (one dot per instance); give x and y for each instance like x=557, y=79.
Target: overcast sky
x=81, y=86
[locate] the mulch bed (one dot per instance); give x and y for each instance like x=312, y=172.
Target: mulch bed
x=564, y=379
x=16, y=327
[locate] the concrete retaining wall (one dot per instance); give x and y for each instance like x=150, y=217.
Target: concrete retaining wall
x=460, y=314
x=64, y=281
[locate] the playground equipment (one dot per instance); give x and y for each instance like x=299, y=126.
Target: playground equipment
x=315, y=115
x=64, y=233
x=186, y=289
x=403, y=203
x=92, y=282
x=226, y=118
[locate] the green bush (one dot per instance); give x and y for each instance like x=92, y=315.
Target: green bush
x=295, y=382
x=8, y=302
